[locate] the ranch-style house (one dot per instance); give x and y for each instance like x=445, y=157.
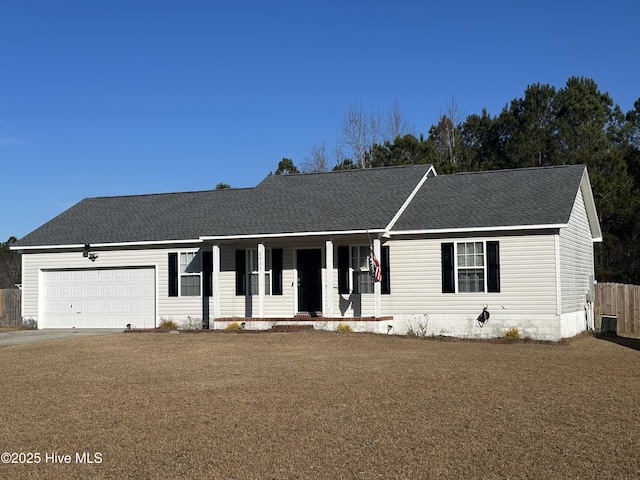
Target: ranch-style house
x=386, y=250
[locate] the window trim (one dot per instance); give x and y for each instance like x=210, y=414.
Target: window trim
x=353, y=272
x=182, y=274
x=175, y=273
x=473, y=267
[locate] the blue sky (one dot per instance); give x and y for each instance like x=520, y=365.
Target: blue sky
x=101, y=98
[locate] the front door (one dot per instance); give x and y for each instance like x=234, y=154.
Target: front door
x=309, y=262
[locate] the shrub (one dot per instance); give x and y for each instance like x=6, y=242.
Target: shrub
x=512, y=334
x=420, y=330
x=344, y=328
x=168, y=325
x=233, y=326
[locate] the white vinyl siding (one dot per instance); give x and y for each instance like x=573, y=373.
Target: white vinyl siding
x=247, y=305
x=576, y=258
x=527, y=278
x=166, y=307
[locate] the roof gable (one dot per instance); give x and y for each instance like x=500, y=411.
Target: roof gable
x=527, y=197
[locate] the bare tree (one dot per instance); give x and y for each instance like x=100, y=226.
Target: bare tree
x=396, y=124
x=317, y=161
x=359, y=130
x=447, y=129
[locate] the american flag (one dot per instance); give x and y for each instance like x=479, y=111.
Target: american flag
x=374, y=267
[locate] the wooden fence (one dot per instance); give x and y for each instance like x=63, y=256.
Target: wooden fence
x=620, y=300
x=10, y=307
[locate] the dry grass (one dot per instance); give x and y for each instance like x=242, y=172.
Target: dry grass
x=4, y=328
x=321, y=405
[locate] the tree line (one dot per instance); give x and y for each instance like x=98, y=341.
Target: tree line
x=10, y=265
x=575, y=124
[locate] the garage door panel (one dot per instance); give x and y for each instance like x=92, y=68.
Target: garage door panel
x=78, y=276
x=99, y=298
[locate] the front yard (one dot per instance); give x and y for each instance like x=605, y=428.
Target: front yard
x=319, y=405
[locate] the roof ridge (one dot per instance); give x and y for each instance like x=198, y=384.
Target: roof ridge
x=517, y=169
x=160, y=194
x=325, y=172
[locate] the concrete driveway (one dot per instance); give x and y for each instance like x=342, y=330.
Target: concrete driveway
x=20, y=337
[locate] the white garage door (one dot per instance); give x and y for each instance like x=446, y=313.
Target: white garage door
x=99, y=298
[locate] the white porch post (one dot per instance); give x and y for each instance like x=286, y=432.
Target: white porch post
x=261, y=278
x=377, y=286
x=215, y=281
x=328, y=279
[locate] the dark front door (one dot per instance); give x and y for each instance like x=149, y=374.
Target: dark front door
x=309, y=263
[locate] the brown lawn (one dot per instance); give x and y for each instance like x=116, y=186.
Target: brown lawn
x=320, y=405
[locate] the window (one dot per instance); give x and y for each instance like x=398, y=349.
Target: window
x=185, y=274
x=247, y=271
x=189, y=274
x=353, y=270
x=469, y=267
x=362, y=279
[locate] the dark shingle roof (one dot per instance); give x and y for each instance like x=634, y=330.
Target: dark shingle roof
x=323, y=202
x=522, y=197
x=331, y=201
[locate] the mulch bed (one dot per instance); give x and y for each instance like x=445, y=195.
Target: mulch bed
x=321, y=405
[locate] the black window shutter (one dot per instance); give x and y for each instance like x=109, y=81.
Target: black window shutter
x=493, y=265
x=448, y=274
x=386, y=271
x=241, y=273
x=207, y=270
x=343, y=269
x=173, y=274
x=276, y=271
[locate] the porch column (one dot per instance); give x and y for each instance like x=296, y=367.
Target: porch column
x=215, y=281
x=377, y=286
x=328, y=279
x=261, y=278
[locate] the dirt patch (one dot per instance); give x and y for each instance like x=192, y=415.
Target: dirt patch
x=321, y=405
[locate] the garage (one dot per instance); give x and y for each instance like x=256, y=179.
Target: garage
x=98, y=298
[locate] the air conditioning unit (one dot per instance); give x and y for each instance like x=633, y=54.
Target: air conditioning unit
x=607, y=324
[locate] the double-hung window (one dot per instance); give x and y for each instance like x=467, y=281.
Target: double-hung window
x=185, y=274
x=354, y=275
x=471, y=267
x=471, y=272
x=189, y=274
x=362, y=280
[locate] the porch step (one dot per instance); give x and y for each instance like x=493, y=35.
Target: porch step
x=290, y=328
